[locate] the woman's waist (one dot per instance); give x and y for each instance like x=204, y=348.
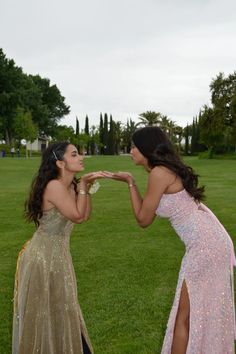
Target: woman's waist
x=194, y=218
x=42, y=250
x=199, y=227
x=49, y=241
x=48, y=233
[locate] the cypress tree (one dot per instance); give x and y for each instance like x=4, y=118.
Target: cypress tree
x=77, y=126
x=105, y=134
x=86, y=130
x=186, y=147
x=77, y=133
x=111, y=138
x=193, y=140
x=197, y=136
x=199, y=145
x=101, y=135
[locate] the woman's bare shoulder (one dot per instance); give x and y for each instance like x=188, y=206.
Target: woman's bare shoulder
x=161, y=171
x=54, y=185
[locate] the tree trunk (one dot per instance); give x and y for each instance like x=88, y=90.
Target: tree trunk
x=7, y=137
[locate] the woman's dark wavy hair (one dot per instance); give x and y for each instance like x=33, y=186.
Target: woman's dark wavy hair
x=48, y=171
x=154, y=144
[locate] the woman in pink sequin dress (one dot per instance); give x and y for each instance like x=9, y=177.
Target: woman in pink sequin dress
x=202, y=319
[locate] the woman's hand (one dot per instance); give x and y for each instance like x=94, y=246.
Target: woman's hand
x=89, y=178
x=120, y=176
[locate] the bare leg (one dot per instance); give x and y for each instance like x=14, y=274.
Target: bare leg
x=181, y=331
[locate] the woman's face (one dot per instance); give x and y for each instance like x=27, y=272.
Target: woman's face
x=73, y=160
x=138, y=157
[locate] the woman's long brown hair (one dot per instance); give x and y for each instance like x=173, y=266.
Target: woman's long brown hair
x=48, y=171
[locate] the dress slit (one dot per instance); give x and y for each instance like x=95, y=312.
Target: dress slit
x=177, y=308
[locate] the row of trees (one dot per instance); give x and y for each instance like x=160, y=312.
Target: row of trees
x=31, y=106
x=111, y=137
x=214, y=128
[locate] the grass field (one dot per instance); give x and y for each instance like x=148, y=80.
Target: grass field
x=126, y=275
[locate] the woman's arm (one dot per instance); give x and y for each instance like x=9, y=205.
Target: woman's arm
x=92, y=188
x=88, y=208
x=76, y=210
x=145, y=208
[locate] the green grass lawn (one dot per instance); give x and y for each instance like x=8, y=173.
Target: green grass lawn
x=126, y=275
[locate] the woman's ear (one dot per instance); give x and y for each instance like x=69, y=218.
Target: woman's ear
x=60, y=164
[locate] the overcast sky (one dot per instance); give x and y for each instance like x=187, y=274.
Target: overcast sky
x=123, y=57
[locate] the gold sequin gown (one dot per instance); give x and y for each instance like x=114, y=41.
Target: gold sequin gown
x=47, y=316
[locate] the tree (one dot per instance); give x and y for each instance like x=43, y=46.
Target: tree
x=117, y=136
x=52, y=106
x=171, y=131
x=178, y=132
x=149, y=118
x=105, y=134
x=212, y=126
x=101, y=135
x=165, y=123
x=111, y=138
x=186, y=136
x=94, y=140
x=195, y=132
x=77, y=134
x=83, y=141
x=65, y=133
x=12, y=86
x=233, y=121
x=86, y=131
x=127, y=134
x=24, y=128
x=193, y=138
x=86, y=128
x=77, y=127
x=30, y=93
x=223, y=98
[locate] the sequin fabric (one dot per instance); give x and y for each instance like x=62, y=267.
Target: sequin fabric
x=207, y=268
x=47, y=316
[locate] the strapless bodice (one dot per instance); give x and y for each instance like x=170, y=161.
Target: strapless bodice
x=53, y=222
x=176, y=205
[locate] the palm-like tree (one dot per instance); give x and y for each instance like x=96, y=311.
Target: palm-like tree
x=149, y=118
x=169, y=127
x=165, y=124
x=179, y=132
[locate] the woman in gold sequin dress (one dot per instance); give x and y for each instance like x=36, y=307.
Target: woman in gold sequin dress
x=47, y=316
x=202, y=319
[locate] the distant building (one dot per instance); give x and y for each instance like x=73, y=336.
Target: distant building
x=40, y=144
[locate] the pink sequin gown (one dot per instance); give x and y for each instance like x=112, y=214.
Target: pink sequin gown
x=207, y=269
